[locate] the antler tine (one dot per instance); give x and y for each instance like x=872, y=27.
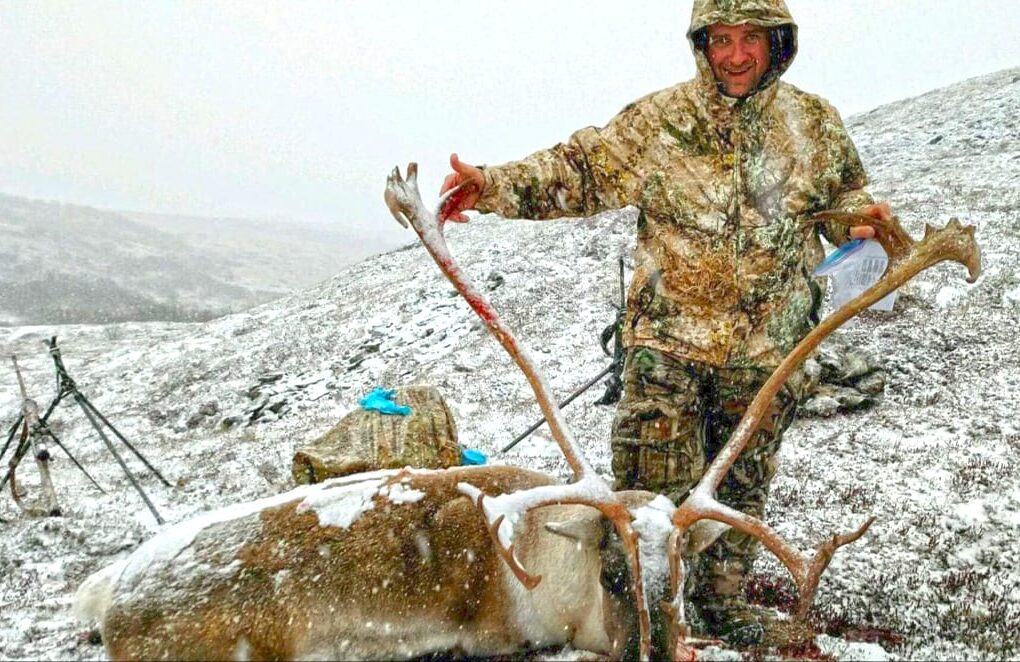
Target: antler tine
x=507, y=554
x=394, y=185
x=953, y=242
x=675, y=611
x=505, y=551
x=446, y=196
x=812, y=573
x=404, y=199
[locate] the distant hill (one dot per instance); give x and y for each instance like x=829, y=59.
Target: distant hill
x=63, y=263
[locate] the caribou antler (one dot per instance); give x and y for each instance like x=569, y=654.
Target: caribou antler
x=404, y=201
x=959, y=246
x=29, y=431
x=907, y=259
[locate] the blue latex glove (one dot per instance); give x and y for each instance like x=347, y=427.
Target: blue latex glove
x=471, y=457
x=838, y=256
x=381, y=400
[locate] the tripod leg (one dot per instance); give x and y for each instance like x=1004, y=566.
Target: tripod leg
x=52, y=436
x=10, y=436
x=80, y=399
x=84, y=402
x=53, y=405
x=573, y=396
x=19, y=452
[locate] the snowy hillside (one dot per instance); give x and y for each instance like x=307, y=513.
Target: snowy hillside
x=63, y=263
x=220, y=407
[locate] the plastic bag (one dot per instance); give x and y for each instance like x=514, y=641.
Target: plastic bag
x=854, y=267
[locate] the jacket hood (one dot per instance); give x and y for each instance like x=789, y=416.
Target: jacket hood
x=771, y=14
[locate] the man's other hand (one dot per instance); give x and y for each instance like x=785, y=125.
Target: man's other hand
x=465, y=198
x=880, y=210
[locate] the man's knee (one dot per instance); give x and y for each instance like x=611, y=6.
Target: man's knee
x=655, y=449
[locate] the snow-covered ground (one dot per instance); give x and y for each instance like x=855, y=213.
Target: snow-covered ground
x=936, y=461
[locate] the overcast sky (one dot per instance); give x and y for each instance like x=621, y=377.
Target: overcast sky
x=299, y=109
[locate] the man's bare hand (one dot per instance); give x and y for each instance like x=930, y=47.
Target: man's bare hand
x=880, y=210
x=465, y=198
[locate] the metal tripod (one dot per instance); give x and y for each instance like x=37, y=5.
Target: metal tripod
x=36, y=425
x=612, y=333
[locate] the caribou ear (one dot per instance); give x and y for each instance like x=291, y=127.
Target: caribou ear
x=581, y=530
x=703, y=533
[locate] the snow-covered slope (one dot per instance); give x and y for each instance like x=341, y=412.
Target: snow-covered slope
x=63, y=263
x=936, y=461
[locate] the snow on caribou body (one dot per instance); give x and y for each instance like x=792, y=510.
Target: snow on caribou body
x=390, y=564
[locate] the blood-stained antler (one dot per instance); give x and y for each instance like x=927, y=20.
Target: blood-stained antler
x=404, y=201
x=907, y=258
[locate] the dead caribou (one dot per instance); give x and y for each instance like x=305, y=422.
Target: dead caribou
x=477, y=560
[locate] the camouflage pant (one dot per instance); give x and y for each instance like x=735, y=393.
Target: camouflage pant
x=673, y=419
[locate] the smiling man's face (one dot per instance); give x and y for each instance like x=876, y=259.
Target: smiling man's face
x=738, y=55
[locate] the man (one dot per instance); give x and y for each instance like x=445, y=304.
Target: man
x=724, y=169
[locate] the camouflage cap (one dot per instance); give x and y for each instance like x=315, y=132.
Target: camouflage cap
x=766, y=13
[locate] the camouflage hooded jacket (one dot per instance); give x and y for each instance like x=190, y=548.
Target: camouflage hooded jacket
x=723, y=187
